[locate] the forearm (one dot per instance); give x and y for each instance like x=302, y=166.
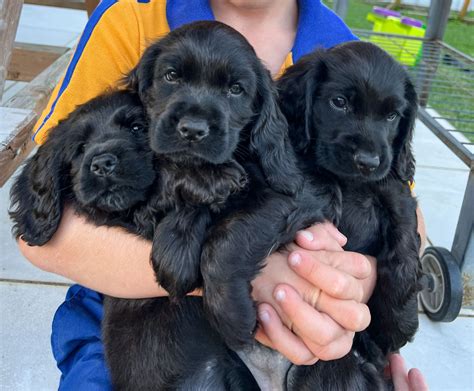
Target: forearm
x=108, y=260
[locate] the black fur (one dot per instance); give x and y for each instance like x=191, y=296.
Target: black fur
x=210, y=103
x=254, y=225
x=378, y=212
x=186, y=188
x=108, y=131
x=158, y=344
x=151, y=343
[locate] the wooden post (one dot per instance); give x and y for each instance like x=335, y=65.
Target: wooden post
x=465, y=7
x=9, y=16
x=91, y=5
x=396, y=4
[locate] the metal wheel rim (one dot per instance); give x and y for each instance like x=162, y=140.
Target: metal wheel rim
x=433, y=299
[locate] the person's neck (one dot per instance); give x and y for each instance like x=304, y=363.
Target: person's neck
x=269, y=25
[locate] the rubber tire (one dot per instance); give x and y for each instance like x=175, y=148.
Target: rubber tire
x=453, y=290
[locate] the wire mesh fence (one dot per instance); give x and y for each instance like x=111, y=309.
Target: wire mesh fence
x=444, y=79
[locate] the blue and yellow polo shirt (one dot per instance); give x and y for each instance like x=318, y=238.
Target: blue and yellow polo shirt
x=120, y=30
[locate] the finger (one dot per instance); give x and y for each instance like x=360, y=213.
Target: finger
x=351, y=315
x=282, y=339
x=308, y=323
x=355, y=264
x=338, y=235
x=318, y=270
x=398, y=372
x=262, y=337
x=335, y=350
x=416, y=380
x=318, y=237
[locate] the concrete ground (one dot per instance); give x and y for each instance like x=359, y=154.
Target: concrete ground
x=29, y=297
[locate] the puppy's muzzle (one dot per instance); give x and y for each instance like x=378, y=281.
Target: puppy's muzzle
x=103, y=165
x=191, y=129
x=366, y=162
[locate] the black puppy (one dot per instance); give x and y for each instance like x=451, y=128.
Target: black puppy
x=98, y=160
x=210, y=103
x=222, y=151
x=351, y=111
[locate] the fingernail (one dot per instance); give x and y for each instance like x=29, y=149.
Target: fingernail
x=308, y=235
x=264, y=316
x=280, y=295
x=295, y=259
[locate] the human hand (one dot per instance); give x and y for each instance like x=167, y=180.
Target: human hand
x=313, y=315
x=402, y=379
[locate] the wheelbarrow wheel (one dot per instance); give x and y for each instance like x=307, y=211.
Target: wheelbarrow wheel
x=441, y=296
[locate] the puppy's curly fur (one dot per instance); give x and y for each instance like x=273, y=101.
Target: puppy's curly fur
x=99, y=161
x=211, y=106
x=351, y=111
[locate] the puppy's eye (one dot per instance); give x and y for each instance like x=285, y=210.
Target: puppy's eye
x=82, y=147
x=137, y=128
x=392, y=116
x=236, y=89
x=171, y=76
x=339, y=103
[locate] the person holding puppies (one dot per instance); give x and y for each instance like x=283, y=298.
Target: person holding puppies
x=298, y=306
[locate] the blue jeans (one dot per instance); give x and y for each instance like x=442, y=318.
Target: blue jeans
x=76, y=342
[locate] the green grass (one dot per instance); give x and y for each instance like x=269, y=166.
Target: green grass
x=458, y=34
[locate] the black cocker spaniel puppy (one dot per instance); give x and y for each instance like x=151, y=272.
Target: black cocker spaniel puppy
x=211, y=106
x=351, y=111
x=98, y=160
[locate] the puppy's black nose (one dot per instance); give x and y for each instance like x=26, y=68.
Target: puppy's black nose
x=366, y=162
x=193, y=129
x=103, y=165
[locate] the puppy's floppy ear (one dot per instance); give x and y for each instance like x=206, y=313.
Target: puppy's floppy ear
x=404, y=162
x=38, y=193
x=270, y=141
x=140, y=78
x=297, y=89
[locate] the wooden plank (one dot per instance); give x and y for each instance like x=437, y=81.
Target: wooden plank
x=9, y=17
x=34, y=96
x=11, y=117
x=29, y=60
x=74, y=4
x=88, y=5
x=12, y=121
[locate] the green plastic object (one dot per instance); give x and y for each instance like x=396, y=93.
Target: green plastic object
x=406, y=51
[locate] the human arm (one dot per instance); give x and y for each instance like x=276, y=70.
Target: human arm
x=117, y=263
x=106, y=259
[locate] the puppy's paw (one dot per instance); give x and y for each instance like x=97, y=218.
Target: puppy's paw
x=232, y=178
x=289, y=185
x=235, y=176
x=232, y=313
x=175, y=266
x=176, y=252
